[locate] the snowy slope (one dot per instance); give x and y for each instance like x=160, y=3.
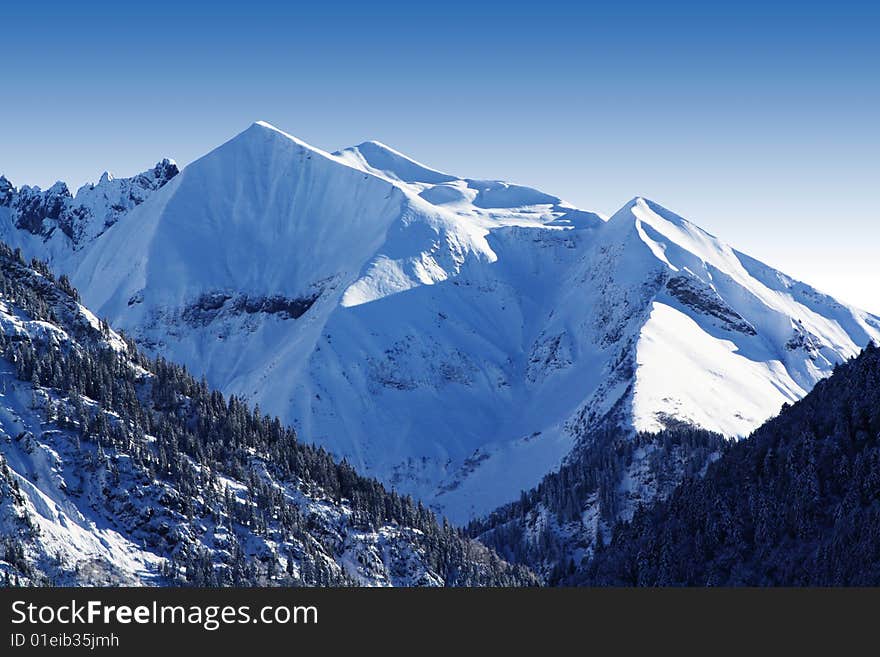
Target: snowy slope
x=723, y=348
x=97, y=486
x=454, y=337
x=56, y=226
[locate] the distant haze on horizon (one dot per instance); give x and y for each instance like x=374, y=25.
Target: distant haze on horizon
x=756, y=121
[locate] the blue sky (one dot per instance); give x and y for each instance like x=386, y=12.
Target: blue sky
x=758, y=121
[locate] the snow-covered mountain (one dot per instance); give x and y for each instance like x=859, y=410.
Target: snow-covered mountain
x=54, y=223
x=117, y=470
x=454, y=337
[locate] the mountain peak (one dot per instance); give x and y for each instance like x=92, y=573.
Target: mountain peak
x=652, y=213
x=375, y=143
x=391, y=163
x=264, y=127
x=7, y=189
x=642, y=202
x=263, y=132
x=376, y=147
x=165, y=170
x=58, y=189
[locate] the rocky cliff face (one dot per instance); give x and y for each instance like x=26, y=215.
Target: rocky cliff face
x=83, y=217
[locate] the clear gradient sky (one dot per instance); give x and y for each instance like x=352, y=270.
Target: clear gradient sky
x=758, y=121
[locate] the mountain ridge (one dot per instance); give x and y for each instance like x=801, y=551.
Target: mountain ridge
x=455, y=337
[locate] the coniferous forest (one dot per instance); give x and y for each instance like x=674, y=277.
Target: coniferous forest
x=795, y=504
